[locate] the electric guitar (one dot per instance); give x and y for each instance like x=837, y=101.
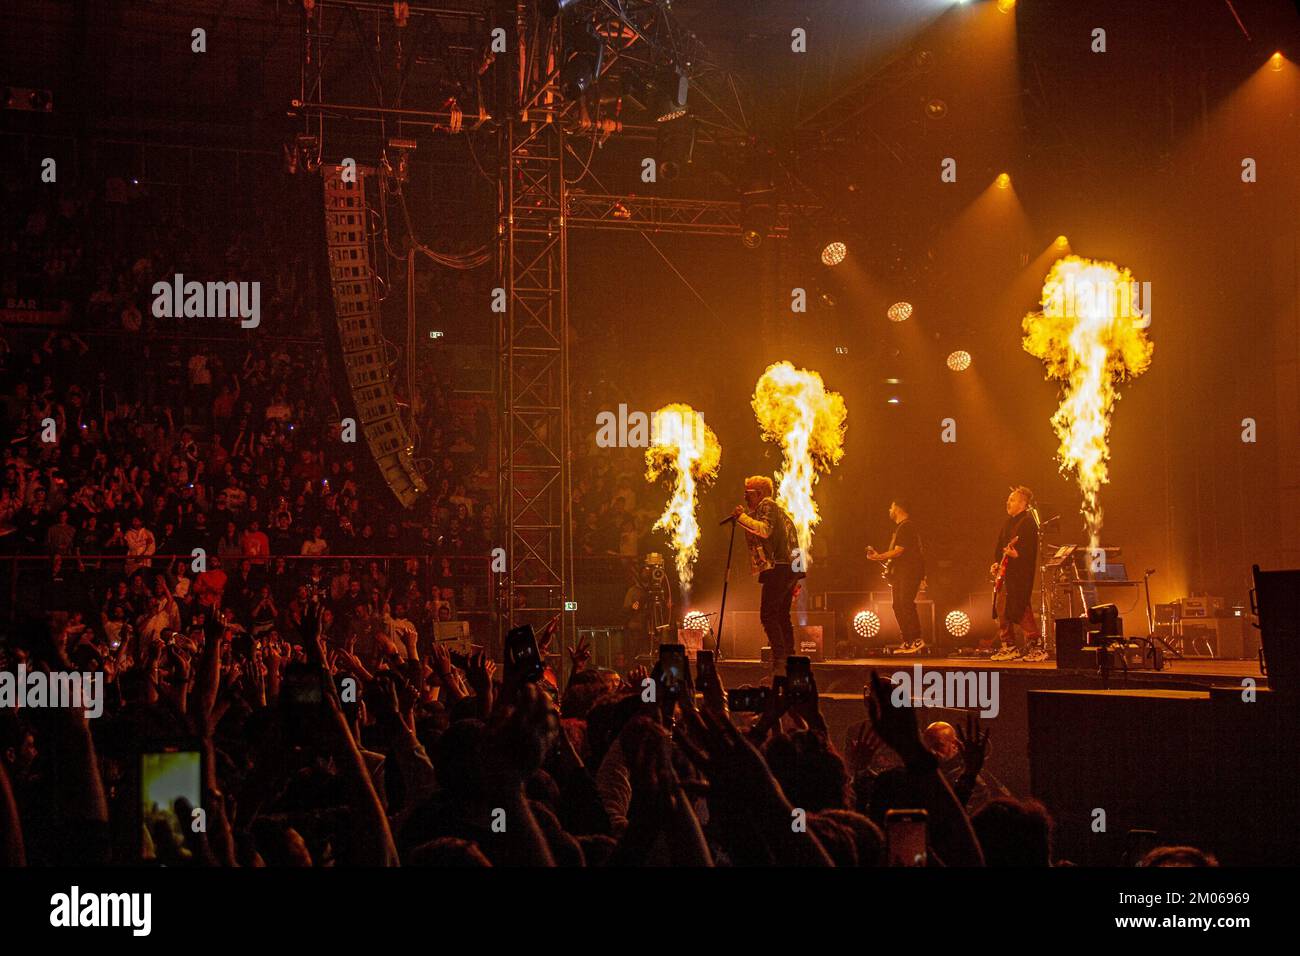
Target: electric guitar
x=1000, y=577
x=886, y=568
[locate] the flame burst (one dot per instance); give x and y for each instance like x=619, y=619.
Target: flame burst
x=682, y=446
x=795, y=409
x=1091, y=336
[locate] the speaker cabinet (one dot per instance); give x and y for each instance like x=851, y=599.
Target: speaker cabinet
x=1071, y=639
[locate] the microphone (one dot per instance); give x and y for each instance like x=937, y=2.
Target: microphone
x=1151, y=570
x=727, y=520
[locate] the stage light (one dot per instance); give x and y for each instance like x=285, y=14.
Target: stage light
x=1062, y=242
x=1276, y=61
x=833, y=253
x=957, y=623
x=936, y=109
x=1006, y=6
x=552, y=8
x=695, y=621
x=668, y=99
x=895, y=400
x=756, y=212
x=1003, y=181
x=675, y=147
x=959, y=361
x=866, y=624
x=899, y=312
x=584, y=53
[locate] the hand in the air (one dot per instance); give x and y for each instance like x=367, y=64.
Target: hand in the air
x=974, y=744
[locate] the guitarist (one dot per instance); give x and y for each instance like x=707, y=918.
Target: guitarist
x=1018, y=585
x=904, y=570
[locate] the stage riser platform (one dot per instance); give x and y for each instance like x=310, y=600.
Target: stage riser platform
x=1219, y=774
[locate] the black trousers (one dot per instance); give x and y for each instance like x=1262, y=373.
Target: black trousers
x=774, y=612
x=904, y=588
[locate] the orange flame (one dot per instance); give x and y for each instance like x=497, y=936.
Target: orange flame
x=684, y=447
x=795, y=409
x=1091, y=335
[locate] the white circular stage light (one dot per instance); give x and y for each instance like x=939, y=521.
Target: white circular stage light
x=866, y=624
x=833, y=253
x=957, y=623
x=695, y=621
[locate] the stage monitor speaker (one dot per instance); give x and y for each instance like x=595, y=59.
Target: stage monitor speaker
x=1071, y=644
x=807, y=643
x=1275, y=599
x=743, y=637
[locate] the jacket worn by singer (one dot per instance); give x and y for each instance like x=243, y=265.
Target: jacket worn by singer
x=771, y=537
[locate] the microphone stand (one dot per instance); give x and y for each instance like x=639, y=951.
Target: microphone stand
x=1169, y=650
x=726, y=580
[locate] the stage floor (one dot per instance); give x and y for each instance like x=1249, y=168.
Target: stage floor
x=1198, y=670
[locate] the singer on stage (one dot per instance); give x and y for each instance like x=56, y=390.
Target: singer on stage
x=771, y=537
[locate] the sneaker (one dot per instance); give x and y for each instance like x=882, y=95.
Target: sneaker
x=1007, y=652
x=1035, y=653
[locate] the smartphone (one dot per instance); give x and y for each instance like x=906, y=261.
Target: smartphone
x=798, y=678
x=171, y=788
x=522, y=659
x=748, y=700
x=905, y=837
x=706, y=672
x=672, y=669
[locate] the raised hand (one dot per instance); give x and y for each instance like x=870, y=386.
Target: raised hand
x=863, y=749
x=580, y=654
x=480, y=673
x=895, y=725
x=809, y=711
x=974, y=744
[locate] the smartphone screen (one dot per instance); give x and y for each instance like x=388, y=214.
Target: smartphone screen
x=170, y=788
x=704, y=669
x=521, y=655
x=798, y=676
x=672, y=668
x=905, y=836
x=748, y=700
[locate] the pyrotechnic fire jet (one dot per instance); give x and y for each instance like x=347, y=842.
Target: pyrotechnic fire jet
x=1091, y=335
x=684, y=450
x=795, y=410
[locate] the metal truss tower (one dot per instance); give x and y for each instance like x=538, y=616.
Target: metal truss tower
x=533, y=350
